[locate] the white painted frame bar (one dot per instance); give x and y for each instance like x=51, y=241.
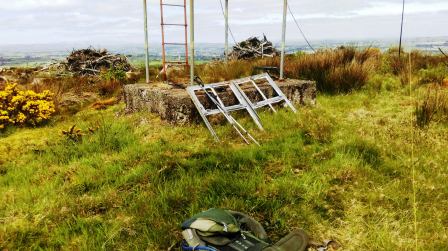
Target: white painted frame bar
x=281, y=97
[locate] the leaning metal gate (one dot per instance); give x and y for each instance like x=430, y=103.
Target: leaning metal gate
x=244, y=102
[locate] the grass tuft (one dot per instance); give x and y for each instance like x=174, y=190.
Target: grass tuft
x=434, y=106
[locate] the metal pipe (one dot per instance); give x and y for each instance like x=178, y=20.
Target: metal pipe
x=162, y=26
x=186, y=34
x=401, y=29
x=145, y=14
x=226, y=16
x=192, y=42
x=282, y=60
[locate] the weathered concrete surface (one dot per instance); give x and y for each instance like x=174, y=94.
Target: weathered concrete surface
x=175, y=105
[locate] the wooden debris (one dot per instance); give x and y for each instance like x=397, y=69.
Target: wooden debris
x=253, y=48
x=90, y=62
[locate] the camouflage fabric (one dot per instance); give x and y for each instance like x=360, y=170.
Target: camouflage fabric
x=234, y=231
x=212, y=221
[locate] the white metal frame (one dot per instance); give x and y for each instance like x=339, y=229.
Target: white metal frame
x=244, y=102
x=204, y=112
x=279, y=97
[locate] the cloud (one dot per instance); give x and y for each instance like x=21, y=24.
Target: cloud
x=24, y=5
x=46, y=21
x=371, y=9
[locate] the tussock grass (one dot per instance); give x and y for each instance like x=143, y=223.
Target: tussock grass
x=335, y=70
x=434, y=75
x=433, y=106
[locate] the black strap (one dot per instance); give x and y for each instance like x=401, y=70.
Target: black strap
x=245, y=242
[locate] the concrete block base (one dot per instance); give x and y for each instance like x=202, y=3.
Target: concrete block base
x=175, y=106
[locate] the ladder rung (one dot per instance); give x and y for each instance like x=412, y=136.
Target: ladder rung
x=173, y=5
x=175, y=24
x=176, y=62
x=175, y=43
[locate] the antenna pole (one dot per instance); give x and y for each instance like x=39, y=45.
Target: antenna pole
x=192, y=42
x=226, y=15
x=282, y=60
x=401, y=30
x=145, y=14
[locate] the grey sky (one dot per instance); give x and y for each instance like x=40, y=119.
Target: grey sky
x=120, y=21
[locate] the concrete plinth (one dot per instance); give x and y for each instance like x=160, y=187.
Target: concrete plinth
x=175, y=106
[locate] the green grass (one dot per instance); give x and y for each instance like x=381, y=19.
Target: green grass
x=340, y=171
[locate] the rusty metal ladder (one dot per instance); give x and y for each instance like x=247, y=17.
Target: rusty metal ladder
x=166, y=63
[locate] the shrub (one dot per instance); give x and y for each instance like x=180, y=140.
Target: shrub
x=433, y=106
x=24, y=107
x=338, y=70
x=392, y=63
x=347, y=77
x=335, y=71
x=434, y=75
x=380, y=82
x=114, y=74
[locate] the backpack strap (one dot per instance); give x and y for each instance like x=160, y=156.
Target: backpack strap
x=249, y=224
x=295, y=241
x=245, y=242
x=192, y=238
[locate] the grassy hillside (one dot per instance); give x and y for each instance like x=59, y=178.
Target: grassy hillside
x=341, y=170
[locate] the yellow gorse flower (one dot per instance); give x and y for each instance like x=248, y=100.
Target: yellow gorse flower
x=24, y=107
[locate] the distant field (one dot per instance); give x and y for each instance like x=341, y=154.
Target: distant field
x=35, y=55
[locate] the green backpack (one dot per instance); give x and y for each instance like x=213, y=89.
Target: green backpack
x=223, y=230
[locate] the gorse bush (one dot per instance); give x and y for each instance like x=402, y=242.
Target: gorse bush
x=24, y=107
